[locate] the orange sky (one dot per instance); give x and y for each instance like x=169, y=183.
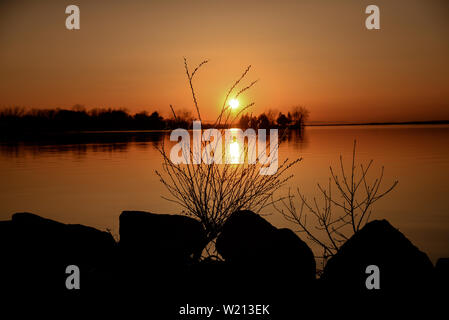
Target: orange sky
x=316, y=53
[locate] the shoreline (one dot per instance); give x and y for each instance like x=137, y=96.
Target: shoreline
x=164, y=252
x=431, y=122
x=86, y=136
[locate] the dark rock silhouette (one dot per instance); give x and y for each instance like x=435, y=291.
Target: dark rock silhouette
x=442, y=268
x=36, y=251
x=403, y=267
x=291, y=252
x=260, y=251
x=245, y=237
x=158, y=252
x=442, y=276
x=161, y=238
x=157, y=260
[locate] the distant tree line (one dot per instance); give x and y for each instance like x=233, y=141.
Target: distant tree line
x=79, y=119
x=295, y=118
x=18, y=119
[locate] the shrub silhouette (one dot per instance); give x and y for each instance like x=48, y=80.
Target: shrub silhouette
x=353, y=203
x=212, y=192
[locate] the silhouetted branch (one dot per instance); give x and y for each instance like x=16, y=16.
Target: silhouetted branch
x=211, y=192
x=354, y=201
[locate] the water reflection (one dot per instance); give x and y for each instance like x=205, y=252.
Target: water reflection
x=80, y=144
x=296, y=139
x=234, y=152
x=90, y=178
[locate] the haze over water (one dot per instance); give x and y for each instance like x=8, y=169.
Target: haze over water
x=93, y=181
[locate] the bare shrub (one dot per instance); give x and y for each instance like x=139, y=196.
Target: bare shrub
x=212, y=192
x=333, y=221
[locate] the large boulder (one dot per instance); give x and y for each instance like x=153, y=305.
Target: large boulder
x=245, y=237
x=36, y=251
x=403, y=267
x=442, y=276
x=291, y=252
x=161, y=239
x=256, y=248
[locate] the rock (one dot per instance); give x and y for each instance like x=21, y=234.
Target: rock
x=36, y=250
x=77, y=243
x=442, y=276
x=291, y=252
x=403, y=267
x=260, y=251
x=245, y=237
x=6, y=231
x=161, y=238
x=442, y=267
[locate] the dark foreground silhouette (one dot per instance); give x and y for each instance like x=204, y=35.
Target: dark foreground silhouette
x=156, y=265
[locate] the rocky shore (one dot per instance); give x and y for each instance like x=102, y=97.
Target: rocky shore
x=158, y=259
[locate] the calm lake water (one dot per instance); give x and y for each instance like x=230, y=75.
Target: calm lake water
x=91, y=181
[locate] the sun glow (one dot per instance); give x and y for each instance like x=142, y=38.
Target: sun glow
x=234, y=152
x=234, y=103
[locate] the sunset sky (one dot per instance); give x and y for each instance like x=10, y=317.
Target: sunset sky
x=314, y=53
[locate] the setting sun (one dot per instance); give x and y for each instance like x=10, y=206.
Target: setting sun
x=234, y=103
